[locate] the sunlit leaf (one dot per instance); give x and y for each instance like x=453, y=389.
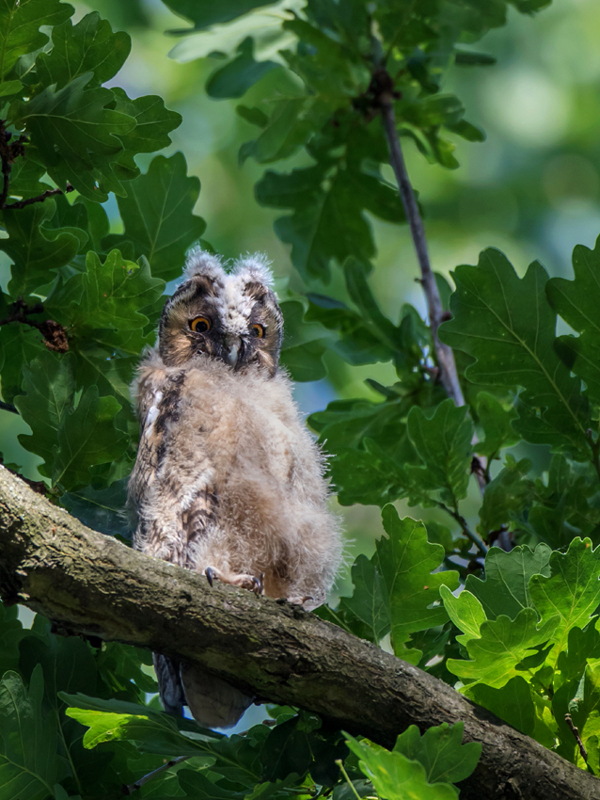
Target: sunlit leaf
x=151, y=731
x=571, y=593
x=503, y=644
x=505, y=589
x=440, y=751
x=465, y=611
x=395, y=776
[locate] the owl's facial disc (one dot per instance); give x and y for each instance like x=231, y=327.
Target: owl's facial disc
x=234, y=321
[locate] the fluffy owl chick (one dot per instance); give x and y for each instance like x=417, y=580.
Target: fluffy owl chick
x=227, y=480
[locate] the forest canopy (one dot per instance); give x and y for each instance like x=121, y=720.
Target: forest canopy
x=445, y=350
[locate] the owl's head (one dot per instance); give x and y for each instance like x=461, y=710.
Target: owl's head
x=233, y=317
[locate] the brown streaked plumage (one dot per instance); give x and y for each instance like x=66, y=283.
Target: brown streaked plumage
x=227, y=480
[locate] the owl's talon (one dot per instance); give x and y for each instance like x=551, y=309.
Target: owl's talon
x=299, y=601
x=251, y=582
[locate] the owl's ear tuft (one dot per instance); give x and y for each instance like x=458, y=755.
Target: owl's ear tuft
x=201, y=262
x=254, y=269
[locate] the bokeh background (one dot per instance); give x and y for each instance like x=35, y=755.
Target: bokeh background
x=531, y=189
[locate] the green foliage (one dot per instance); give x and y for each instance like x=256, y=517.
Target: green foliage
x=397, y=591
x=419, y=766
x=508, y=326
x=531, y=640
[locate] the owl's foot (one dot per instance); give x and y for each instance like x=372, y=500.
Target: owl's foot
x=251, y=582
x=299, y=601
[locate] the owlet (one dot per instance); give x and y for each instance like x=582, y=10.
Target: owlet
x=227, y=482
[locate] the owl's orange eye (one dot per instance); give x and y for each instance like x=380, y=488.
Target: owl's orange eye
x=258, y=331
x=200, y=324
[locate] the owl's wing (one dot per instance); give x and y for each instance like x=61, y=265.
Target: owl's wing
x=174, y=497
x=171, y=488
x=213, y=702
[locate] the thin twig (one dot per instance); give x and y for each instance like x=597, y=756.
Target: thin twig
x=20, y=313
x=138, y=784
x=39, y=199
x=575, y=732
x=475, y=538
x=383, y=94
x=445, y=357
x=340, y=764
x=8, y=407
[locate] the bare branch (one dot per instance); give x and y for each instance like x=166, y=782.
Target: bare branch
x=464, y=525
x=8, y=407
x=39, y=199
x=155, y=773
x=575, y=731
x=92, y=584
x=444, y=354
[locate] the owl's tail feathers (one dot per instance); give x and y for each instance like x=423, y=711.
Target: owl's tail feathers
x=169, y=684
x=213, y=702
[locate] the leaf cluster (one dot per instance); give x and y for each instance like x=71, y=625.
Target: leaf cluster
x=82, y=301
x=324, y=62
x=530, y=643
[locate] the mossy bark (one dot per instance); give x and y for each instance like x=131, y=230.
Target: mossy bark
x=91, y=584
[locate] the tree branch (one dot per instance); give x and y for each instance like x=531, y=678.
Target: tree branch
x=575, y=731
x=8, y=407
x=383, y=90
x=93, y=585
x=39, y=198
x=133, y=787
x=464, y=525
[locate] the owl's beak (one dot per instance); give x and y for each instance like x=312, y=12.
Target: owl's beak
x=233, y=350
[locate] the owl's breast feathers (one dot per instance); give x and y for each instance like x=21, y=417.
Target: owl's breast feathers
x=228, y=476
